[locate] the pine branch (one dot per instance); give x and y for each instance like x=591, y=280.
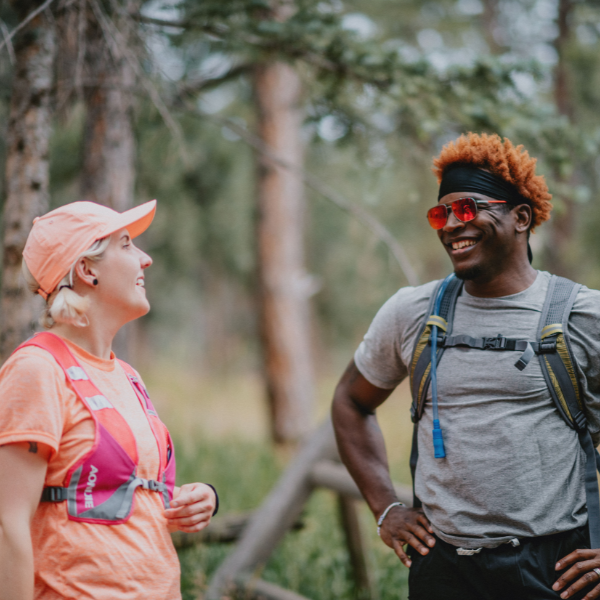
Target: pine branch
x=25, y=22
x=318, y=185
x=208, y=83
x=8, y=42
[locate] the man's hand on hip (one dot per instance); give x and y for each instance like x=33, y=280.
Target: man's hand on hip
x=407, y=526
x=585, y=565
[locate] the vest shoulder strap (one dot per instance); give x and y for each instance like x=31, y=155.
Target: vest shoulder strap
x=101, y=409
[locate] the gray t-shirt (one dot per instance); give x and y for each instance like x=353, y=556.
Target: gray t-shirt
x=513, y=468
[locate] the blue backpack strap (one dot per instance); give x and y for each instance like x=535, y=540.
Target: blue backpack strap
x=420, y=368
x=558, y=366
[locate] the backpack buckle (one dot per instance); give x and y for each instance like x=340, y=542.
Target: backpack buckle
x=580, y=421
x=413, y=413
x=441, y=338
x=547, y=347
x=495, y=343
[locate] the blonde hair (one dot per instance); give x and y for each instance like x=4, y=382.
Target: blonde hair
x=64, y=305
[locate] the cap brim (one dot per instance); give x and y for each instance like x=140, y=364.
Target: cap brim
x=135, y=220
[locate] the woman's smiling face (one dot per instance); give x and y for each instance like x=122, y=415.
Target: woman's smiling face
x=120, y=276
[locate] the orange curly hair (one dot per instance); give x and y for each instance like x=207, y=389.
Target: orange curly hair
x=512, y=163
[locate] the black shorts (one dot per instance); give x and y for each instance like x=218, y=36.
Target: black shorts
x=504, y=573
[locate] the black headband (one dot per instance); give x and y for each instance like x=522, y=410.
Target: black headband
x=467, y=178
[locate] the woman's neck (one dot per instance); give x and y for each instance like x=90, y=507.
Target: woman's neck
x=95, y=338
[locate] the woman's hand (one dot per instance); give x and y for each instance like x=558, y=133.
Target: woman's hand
x=192, y=507
x=582, y=563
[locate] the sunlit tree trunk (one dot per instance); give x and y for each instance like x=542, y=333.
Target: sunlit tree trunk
x=283, y=282
x=562, y=224
x=108, y=174
x=27, y=169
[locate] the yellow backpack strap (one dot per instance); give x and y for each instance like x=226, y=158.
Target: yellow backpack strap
x=420, y=365
x=556, y=356
x=559, y=369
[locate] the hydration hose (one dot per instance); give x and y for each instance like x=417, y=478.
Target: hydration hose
x=438, y=438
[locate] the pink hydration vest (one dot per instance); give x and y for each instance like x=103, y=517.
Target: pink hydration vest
x=100, y=487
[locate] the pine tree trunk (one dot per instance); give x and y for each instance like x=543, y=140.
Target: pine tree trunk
x=562, y=224
x=108, y=175
x=283, y=282
x=27, y=169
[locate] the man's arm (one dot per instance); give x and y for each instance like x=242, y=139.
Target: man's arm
x=362, y=450
x=22, y=472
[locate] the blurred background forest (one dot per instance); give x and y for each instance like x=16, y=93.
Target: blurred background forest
x=289, y=146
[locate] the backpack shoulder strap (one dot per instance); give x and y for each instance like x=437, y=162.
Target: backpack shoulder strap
x=420, y=366
x=558, y=366
x=556, y=355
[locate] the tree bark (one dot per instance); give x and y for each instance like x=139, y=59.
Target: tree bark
x=108, y=174
x=563, y=220
x=27, y=168
x=284, y=286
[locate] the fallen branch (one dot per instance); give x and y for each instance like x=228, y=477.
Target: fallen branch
x=221, y=530
x=252, y=588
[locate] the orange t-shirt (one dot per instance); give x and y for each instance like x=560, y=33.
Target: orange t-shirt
x=76, y=560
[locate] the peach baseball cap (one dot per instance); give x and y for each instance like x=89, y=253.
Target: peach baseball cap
x=60, y=236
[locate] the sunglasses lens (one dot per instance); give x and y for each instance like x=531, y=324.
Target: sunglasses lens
x=465, y=209
x=437, y=216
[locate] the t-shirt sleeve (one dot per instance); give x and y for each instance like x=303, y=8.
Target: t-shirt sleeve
x=584, y=332
x=31, y=390
x=385, y=352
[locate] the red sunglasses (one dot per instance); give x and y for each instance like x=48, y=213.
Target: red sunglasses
x=464, y=209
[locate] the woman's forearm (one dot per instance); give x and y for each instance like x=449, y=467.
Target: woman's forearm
x=23, y=470
x=16, y=559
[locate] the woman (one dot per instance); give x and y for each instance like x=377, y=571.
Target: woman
x=78, y=429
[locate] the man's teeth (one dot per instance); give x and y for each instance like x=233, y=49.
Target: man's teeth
x=462, y=244
x=140, y=282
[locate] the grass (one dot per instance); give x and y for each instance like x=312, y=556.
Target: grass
x=220, y=429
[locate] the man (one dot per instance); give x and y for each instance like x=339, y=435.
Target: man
x=509, y=494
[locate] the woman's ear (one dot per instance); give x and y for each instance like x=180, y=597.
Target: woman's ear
x=524, y=217
x=86, y=272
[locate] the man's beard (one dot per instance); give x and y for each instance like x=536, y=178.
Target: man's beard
x=476, y=272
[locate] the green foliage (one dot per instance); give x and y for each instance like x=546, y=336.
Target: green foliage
x=391, y=104
x=380, y=102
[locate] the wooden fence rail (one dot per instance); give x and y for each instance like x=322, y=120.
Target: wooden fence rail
x=317, y=465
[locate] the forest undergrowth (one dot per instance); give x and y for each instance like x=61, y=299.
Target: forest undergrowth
x=219, y=424
x=312, y=561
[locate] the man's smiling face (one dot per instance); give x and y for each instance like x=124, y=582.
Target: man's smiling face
x=479, y=248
